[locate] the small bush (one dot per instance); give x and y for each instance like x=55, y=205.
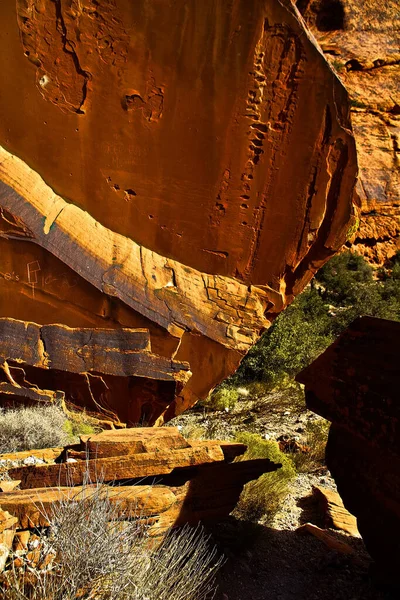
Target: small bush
x=222, y=398
x=36, y=427
x=78, y=424
x=88, y=553
x=263, y=497
x=32, y=427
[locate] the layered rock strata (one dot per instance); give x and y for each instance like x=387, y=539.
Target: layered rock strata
x=361, y=41
x=355, y=385
x=151, y=475
x=183, y=172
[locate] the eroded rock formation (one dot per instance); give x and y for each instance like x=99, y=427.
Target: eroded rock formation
x=355, y=385
x=361, y=41
x=183, y=172
x=153, y=476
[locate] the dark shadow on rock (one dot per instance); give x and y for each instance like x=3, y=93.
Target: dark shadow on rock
x=310, y=512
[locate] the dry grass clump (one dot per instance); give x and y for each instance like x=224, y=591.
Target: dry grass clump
x=263, y=497
x=316, y=438
x=32, y=427
x=35, y=427
x=89, y=553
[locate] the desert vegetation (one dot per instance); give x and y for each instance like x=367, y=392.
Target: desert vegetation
x=87, y=552
x=345, y=288
x=262, y=497
x=34, y=427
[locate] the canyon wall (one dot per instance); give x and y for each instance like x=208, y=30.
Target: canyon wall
x=172, y=174
x=361, y=41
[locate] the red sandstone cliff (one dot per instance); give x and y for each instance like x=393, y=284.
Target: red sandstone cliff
x=361, y=41
x=172, y=174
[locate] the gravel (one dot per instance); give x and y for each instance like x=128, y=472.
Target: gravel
x=273, y=562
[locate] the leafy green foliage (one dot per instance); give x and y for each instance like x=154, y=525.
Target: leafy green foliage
x=344, y=289
x=224, y=397
x=76, y=426
x=294, y=340
x=263, y=497
x=342, y=274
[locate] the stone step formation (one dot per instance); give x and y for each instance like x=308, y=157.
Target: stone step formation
x=152, y=475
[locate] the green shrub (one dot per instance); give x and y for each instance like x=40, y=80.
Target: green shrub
x=344, y=289
x=341, y=275
x=294, y=340
x=263, y=497
x=78, y=424
x=222, y=398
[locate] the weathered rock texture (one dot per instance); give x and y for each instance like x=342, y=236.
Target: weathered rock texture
x=361, y=41
x=152, y=475
x=355, y=385
x=182, y=171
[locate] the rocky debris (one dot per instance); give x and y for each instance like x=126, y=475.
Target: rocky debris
x=335, y=514
x=327, y=538
x=7, y=521
x=152, y=475
x=9, y=486
x=21, y=541
x=144, y=242
x=355, y=385
x=291, y=444
x=361, y=41
x=6, y=541
x=19, y=459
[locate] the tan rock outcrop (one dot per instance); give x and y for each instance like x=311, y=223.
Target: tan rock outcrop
x=152, y=474
x=334, y=512
x=182, y=172
x=361, y=41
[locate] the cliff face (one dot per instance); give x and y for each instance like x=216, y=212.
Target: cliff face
x=361, y=41
x=177, y=168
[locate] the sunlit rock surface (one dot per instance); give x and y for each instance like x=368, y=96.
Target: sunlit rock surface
x=182, y=168
x=361, y=41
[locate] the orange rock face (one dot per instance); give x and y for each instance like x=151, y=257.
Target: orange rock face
x=361, y=41
x=182, y=482
x=183, y=172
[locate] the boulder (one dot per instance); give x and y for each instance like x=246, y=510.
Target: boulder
x=159, y=477
x=334, y=512
x=166, y=189
x=7, y=521
x=6, y=540
x=355, y=385
x=326, y=538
